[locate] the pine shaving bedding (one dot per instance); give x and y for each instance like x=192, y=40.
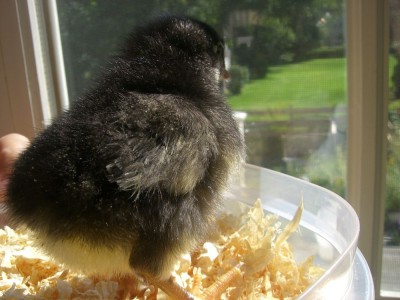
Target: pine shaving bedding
x=253, y=242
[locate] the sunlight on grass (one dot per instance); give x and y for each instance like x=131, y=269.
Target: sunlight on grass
x=314, y=83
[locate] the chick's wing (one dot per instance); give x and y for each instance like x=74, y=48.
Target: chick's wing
x=160, y=141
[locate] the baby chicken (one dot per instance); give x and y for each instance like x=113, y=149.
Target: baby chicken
x=131, y=176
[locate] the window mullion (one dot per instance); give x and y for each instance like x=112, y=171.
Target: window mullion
x=367, y=91
x=56, y=57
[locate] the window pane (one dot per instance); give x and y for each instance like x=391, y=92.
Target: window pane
x=391, y=249
x=288, y=75
x=287, y=65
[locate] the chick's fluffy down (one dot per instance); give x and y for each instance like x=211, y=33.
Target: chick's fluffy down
x=145, y=154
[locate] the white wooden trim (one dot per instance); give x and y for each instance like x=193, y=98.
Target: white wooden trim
x=57, y=57
x=28, y=98
x=20, y=107
x=367, y=44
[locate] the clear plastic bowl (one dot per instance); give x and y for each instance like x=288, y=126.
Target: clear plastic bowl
x=329, y=230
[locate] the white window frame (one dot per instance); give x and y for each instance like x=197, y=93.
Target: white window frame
x=367, y=57
x=33, y=87
x=32, y=77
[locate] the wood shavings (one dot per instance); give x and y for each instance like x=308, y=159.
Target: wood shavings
x=251, y=248
x=258, y=248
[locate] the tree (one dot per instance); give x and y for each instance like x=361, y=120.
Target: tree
x=270, y=39
x=92, y=30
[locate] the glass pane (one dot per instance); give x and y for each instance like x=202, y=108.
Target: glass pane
x=391, y=250
x=286, y=60
x=288, y=75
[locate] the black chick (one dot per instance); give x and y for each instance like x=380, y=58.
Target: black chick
x=131, y=176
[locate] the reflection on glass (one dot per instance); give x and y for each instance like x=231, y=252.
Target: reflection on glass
x=391, y=250
x=286, y=60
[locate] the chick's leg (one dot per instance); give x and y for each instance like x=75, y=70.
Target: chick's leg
x=214, y=291
x=172, y=289
x=151, y=263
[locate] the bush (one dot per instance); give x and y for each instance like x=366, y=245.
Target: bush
x=393, y=165
x=326, y=52
x=269, y=41
x=396, y=79
x=328, y=170
x=239, y=75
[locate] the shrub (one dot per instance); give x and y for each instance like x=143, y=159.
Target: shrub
x=239, y=75
x=326, y=52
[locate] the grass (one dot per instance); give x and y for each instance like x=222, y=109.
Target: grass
x=314, y=83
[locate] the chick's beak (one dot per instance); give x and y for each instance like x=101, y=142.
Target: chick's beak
x=224, y=74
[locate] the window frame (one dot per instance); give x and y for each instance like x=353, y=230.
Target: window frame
x=34, y=90
x=33, y=87
x=19, y=88
x=367, y=56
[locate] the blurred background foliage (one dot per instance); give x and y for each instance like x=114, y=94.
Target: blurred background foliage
x=259, y=33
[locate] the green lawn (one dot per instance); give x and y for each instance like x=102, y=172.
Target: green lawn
x=314, y=83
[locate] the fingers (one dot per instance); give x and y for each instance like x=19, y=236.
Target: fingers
x=11, y=145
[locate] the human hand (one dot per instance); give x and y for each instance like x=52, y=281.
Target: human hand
x=11, y=145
